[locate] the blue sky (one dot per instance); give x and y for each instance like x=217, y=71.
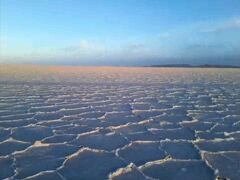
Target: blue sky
x=120, y=32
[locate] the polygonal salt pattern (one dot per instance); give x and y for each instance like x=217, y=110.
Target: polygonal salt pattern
x=119, y=123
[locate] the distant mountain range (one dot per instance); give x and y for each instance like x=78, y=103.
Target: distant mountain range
x=195, y=66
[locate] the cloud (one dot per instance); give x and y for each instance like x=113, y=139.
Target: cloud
x=136, y=46
x=91, y=50
x=165, y=35
x=83, y=46
x=222, y=26
x=172, y=46
x=202, y=47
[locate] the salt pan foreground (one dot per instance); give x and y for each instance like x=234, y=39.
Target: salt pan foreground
x=119, y=123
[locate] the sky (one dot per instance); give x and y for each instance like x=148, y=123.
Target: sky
x=120, y=32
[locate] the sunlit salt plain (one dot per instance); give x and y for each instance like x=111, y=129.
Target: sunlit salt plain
x=119, y=123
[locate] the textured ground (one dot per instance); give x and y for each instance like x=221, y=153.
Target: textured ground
x=119, y=123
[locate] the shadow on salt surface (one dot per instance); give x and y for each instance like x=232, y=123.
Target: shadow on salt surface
x=4, y=134
x=172, y=118
x=41, y=157
x=73, y=129
x=225, y=164
x=231, y=119
x=14, y=117
x=43, y=116
x=235, y=135
x=46, y=175
x=10, y=145
x=225, y=128
x=156, y=124
x=147, y=113
x=134, y=132
x=59, y=138
x=115, y=107
x=208, y=135
x=46, y=109
x=218, y=145
x=101, y=139
x=90, y=164
x=141, y=106
x=31, y=133
x=142, y=136
x=180, y=149
x=93, y=114
x=196, y=125
x=140, y=152
x=178, y=133
x=53, y=123
x=210, y=116
x=128, y=173
x=17, y=123
x=178, y=169
x=128, y=129
x=89, y=122
x=75, y=111
x=6, y=167
x=116, y=119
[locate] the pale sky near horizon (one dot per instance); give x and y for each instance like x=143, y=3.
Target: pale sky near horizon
x=120, y=32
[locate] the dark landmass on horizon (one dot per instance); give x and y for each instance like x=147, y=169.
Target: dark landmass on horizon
x=195, y=66
x=118, y=65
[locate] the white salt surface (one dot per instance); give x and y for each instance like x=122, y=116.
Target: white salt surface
x=119, y=123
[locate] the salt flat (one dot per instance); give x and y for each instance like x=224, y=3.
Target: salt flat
x=119, y=123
